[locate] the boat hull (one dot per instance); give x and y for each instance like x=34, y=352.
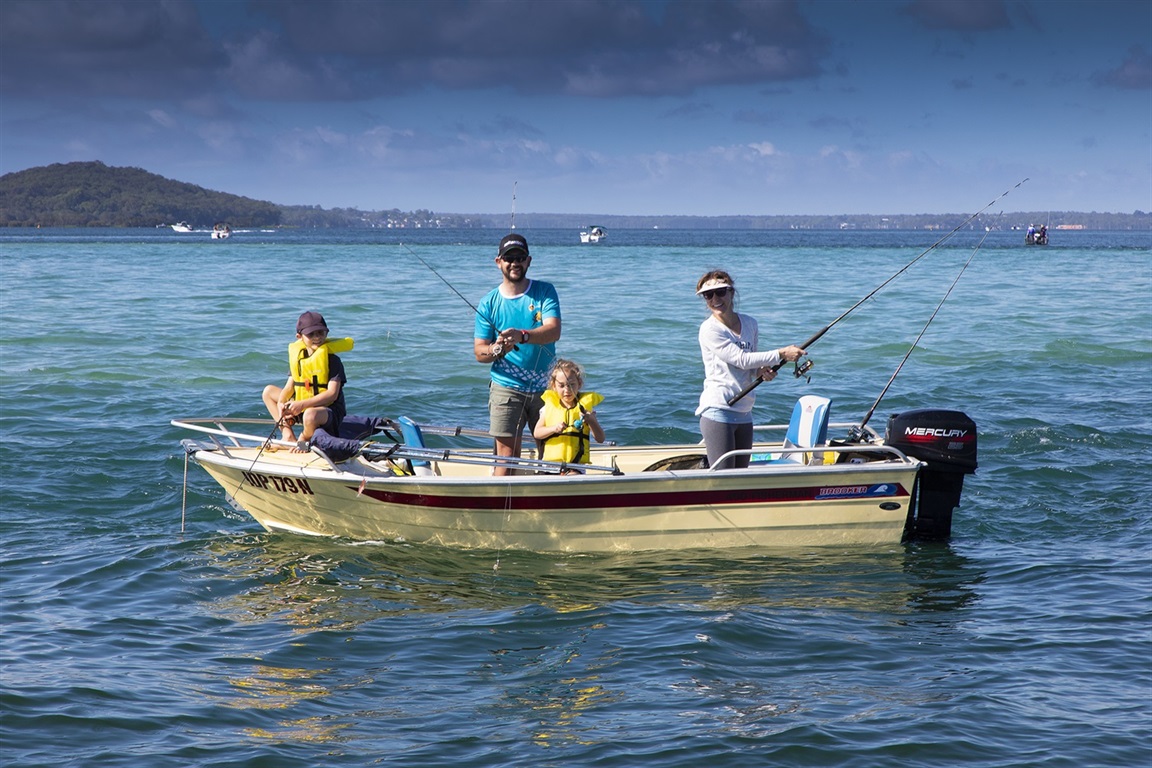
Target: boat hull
x=767, y=506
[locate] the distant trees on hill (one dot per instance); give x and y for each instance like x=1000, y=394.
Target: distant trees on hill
x=92, y=194
x=95, y=195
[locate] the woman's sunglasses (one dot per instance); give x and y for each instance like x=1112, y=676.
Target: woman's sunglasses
x=721, y=292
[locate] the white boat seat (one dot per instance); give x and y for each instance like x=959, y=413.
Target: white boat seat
x=808, y=428
x=414, y=438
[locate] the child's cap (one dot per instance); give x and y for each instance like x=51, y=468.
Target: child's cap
x=310, y=322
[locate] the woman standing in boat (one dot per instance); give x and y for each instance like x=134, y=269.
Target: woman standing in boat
x=728, y=346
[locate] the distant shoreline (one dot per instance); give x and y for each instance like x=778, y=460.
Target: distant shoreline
x=92, y=194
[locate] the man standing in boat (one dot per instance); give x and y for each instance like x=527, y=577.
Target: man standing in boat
x=517, y=327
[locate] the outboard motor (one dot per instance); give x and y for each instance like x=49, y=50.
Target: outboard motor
x=946, y=442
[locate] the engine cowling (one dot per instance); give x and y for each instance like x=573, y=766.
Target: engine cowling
x=946, y=442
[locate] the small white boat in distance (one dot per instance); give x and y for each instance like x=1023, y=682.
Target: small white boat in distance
x=182, y=227
x=593, y=234
x=221, y=231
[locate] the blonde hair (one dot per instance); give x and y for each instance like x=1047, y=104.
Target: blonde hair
x=573, y=370
x=716, y=274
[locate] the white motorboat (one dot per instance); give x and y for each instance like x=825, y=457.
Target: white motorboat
x=593, y=234
x=221, y=232
x=805, y=490
x=182, y=227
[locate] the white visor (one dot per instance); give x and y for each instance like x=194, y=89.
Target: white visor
x=712, y=285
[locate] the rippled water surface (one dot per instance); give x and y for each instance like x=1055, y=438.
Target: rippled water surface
x=145, y=623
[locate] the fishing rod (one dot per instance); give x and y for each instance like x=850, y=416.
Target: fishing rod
x=442, y=278
x=498, y=349
x=801, y=370
x=513, y=227
x=285, y=420
x=857, y=432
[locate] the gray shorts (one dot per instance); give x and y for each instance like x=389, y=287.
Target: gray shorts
x=510, y=411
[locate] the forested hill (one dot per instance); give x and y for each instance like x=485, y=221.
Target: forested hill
x=96, y=195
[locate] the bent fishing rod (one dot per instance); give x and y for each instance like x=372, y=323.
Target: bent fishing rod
x=816, y=336
x=462, y=297
x=285, y=420
x=442, y=279
x=856, y=433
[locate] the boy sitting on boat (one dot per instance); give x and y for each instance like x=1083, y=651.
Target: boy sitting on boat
x=314, y=392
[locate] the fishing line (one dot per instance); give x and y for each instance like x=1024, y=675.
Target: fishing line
x=445, y=281
x=540, y=348
x=858, y=431
x=816, y=337
x=483, y=317
x=184, y=494
x=265, y=444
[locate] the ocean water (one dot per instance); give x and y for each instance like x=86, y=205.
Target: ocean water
x=145, y=623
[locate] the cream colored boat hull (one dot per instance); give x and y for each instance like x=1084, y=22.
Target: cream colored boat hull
x=774, y=505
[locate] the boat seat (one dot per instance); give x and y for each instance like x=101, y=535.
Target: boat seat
x=414, y=438
x=807, y=428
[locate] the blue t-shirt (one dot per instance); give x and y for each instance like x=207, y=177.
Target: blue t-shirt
x=524, y=369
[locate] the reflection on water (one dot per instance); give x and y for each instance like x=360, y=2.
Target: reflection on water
x=552, y=641
x=316, y=583
x=941, y=580
x=276, y=687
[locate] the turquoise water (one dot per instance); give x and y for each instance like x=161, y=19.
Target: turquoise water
x=143, y=627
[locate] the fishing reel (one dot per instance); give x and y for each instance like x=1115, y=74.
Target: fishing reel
x=803, y=366
x=857, y=435
x=287, y=419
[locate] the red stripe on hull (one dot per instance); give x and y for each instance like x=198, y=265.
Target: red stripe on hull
x=624, y=500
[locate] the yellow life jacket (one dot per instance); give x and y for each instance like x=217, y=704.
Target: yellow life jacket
x=572, y=445
x=310, y=372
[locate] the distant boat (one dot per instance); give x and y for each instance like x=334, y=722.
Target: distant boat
x=221, y=232
x=182, y=227
x=593, y=234
x=1036, y=236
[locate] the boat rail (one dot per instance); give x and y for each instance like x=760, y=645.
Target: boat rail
x=844, y=425
x=223, y=439
x=887, y=450
x=372, y=452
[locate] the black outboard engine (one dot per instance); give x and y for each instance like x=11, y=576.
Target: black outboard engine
x=946, y=441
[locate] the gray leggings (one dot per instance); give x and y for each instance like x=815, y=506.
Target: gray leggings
x=719, y=438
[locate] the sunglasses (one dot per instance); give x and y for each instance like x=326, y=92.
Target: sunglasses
x=721, y=292
x=514, y=258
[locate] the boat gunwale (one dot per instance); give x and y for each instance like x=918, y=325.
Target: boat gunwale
x=317, y=466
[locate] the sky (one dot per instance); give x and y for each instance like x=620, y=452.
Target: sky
x=630, y=107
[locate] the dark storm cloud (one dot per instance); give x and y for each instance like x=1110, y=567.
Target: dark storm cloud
x=54, y=47
x=351, y=49
x=598, y=48
x=960, y=15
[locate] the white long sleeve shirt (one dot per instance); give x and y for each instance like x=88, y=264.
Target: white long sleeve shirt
x=730, y=363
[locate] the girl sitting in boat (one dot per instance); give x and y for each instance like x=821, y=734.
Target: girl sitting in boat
x=567, y=418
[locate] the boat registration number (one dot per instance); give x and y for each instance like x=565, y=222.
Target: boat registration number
x=282, y=484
